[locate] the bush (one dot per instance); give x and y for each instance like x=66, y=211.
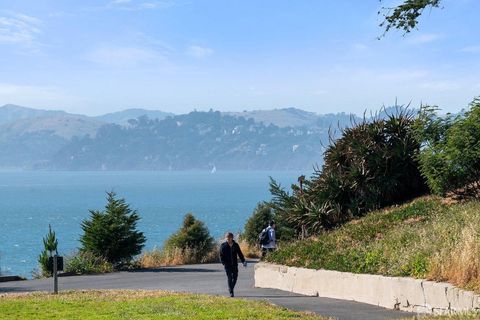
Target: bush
x=50, y=244
x=193, y=240
x=113, y=233
x=85, y=262
x=372, y=165
x=256, y=223
x=450, y=157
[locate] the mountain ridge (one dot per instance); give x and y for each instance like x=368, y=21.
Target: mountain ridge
x=277, y=139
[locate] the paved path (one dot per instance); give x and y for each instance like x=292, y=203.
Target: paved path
x=209, y=279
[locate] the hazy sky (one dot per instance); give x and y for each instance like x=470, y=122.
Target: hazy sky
x=176, y=55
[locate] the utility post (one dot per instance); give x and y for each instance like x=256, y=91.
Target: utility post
x=55, y=263
x=55, y=274
x=301, y=180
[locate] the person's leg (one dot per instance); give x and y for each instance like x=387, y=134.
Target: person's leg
x=264, y=252
x=229, y=280
x=234, y=276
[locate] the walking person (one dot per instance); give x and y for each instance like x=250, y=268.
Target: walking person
x=229, y=251
x=269, y=241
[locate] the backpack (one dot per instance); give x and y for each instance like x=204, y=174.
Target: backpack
x=264, y=237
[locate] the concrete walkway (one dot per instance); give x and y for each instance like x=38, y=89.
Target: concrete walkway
x=209, y=279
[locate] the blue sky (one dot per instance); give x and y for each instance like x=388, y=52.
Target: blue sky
x=178, y=55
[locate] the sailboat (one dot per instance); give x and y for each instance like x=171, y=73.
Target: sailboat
x=214, y=169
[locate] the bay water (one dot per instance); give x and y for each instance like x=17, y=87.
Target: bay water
x=30, y=201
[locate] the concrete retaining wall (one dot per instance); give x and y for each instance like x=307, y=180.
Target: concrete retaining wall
x=390, y=292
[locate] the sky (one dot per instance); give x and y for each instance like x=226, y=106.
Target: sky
x=98, y=56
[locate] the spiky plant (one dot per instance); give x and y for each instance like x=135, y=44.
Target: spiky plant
x=373, y=164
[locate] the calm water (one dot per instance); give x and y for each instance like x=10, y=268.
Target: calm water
x=30, y=201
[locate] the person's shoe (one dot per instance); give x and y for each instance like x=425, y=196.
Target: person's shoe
x=231, y=294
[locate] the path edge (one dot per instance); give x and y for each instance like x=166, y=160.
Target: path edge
x=406, y=294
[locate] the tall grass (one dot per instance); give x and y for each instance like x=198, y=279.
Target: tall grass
x=249, y=251
x=423, y=239
x=157, y=258
x=458, y=261
x=162, y=257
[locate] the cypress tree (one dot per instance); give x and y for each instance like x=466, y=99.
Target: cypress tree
x=113, y=233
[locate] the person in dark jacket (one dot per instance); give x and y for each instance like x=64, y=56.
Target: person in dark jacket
x=229, y=250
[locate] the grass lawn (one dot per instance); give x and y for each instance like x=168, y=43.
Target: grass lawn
x=129, y=304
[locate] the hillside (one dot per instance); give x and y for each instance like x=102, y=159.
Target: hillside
x=293, y=117
x=198, y=140
x=65, y=126
x=10, y=113
x=122, y=117
x=29, y=138
x=424, y=239
x=140, y=139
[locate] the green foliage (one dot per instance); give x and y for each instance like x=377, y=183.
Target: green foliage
x=85, y=262
x=256, y=223
x=372, y=165
x=450, y=157
x=112, y=233
x=405, y=16
x=50, y=246
x=193, y=237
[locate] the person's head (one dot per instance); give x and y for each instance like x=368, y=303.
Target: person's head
x=229, y=237
x=271, y=223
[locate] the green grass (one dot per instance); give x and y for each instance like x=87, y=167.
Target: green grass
x=422, y=239
x=125, y=304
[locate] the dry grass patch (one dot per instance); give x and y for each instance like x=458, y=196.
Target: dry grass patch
x=249, y=251
x=157, y=258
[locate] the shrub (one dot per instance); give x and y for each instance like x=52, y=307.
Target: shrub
x=193, y=240
x=372, y=165
x=85, y=262
x=50, y=244
x=256, y=223
x=113, y=233
x=450, y=157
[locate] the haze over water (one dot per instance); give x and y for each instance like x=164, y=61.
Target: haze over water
x=30, y=201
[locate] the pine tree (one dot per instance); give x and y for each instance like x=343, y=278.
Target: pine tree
x=113, y=233
x=50, y=246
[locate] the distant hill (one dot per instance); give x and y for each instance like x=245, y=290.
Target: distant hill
x=288, y=117
x=31, y=137
x=198, y=140
x=122, y=117
x=65, y=126
x=139, y=139
x=293, y=117
x=11, y=112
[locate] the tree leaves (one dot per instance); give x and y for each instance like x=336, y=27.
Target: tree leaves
x=405, y=16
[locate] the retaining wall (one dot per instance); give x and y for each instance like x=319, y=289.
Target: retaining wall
x=406, y=294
